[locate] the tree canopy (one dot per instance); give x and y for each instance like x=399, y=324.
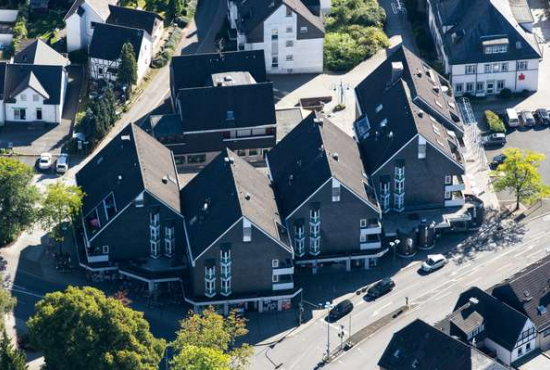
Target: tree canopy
x=18, y=197
x=127, y=69
x=81, y=328
x=11, y=358
x=211, y=339
x=519, y=173
x=60, y=204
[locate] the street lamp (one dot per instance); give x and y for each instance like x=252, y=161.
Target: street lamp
x=393, y=245
x=328, y=307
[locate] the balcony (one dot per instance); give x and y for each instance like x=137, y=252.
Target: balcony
x=286, y=282
x=457, y=184
x=284, y=268
x=400, y=174
x=456, y=200
x=98, y=258
x=373, y=227
x=209, y=275
x=371, y=242
x=225, y=259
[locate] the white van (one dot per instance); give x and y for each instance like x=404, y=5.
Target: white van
x=62, y=164
x=512, y=118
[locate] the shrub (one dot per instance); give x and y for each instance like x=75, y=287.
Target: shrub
x=494, y=122
x=505, y=93
x=525, y=93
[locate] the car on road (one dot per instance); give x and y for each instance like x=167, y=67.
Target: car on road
x=494, y=139
x=340, y=310
x=511, y=117
x=434, y=262
x=384, y=286
x=62, y=164
x=45, y=161
x=497, y=161
x=527, y=119
x=542, y=117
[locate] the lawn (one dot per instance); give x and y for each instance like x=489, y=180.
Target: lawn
x=44, y=25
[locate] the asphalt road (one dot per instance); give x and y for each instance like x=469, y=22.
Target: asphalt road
x=433, y=297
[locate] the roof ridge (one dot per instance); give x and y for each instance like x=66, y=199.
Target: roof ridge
x=231, y=156
x=138, y=154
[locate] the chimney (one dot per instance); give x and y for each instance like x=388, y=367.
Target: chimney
x=247, y=196
x=396, y=71
x=165, y=180
x=335, y=156
x=473, y=301
x=125, y=138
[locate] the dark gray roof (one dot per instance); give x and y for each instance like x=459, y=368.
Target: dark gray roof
x=45, y=80
x=528, y=292
x=133, y=18
x=232, y=188
x=420, y=346
x=502, y=323
x=164, y=125
x=2, y=79
x=188, y=71
x=38, y=52
x=208, y=108
x=311, y=154
x=254, y=13
x=100, y=6
x=130, y=163
x=395, y=109
x=472, y=21
x=108, y=40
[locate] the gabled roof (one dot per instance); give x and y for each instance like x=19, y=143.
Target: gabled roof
x=253, y=13
x=397, y=106
x=210, y=108
x=188, y=71
x=502, y=323
x=2, y=79
x=100, y=6
x=130, y=163
x=133, y=18
x=529, y=292
x=38, y=52
x=312, y=153
x=108, y=40
x=420, y=346
x=231, y=188
x=472, y=21
x=45, y=80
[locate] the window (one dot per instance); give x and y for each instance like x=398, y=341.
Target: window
x=274, y=61
x=105, y=249
x=488, y=68
x=496, y=49
x=289, y=57
x=241, y=153
x=275, y=263
x=198, y=158
x=335, y=190
x=384, y=187
x=155, y=219
x=154, y=248
x=520, y=351
x=299, y=240
x=303, y=29
x=315, y=246
x=459, y=88
x=169, y=240
x=275, y=278
x=226, y=286
x=363, y=223
x=34, y=97
x=100, y=71
x=469, y=87
x=399, y=202
x=528, y=347
x=23, y=97
x=289, y=30
x=500, y=84
x=230, y=115
x=379, y=108
x=289, y=43
x=109, y=205
x=448, y=180
x=504, y=67
x=209, y=281
x=522, y=65
x=314, y=215
x=496, y=67
x=274, y=34
x=38, y=114
x=20, y=114
x=247, y=231
x=471, y=69
x=288, y=12
x=399, y=172
x=480, y=87
x=139, y=202
x=253, y=152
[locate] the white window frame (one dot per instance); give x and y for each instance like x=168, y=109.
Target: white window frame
x=470, y=69
x=363, y=223
x=336, y=191
x=247, y=231
x=274, y=278
x=522, y=65
x=303, y=30
x=139, y=202
x=105, y=249
x=448, y=179
x=274, y=263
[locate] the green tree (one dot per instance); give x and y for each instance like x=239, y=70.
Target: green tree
x=519, y=173
x=60, y=204
x=342, y=51
x=494, y=122
x=127, y=69
x=18, y=198
x=211, y=337
x=7, y=303
x=110, y=104
x=83, y=329
x=11, y=358
x=175, y=8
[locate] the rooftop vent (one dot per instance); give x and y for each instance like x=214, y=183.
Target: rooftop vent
x=396, y=71
x=473, y=301
x=119, y=178
x=335, y=156
x=318, y=121
x=290, y=178
x=165, y=180
x=420, y=113
x=247, y=196
x=541, y=310
x=125, y=138
x=390, y=135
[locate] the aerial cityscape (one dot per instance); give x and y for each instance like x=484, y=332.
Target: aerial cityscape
x=274, y=184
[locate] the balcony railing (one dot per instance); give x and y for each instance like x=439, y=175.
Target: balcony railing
x=284, y=268
x=225, y=260
x=372, y=242
x=457, y=199
x=286, y=282
x=209, y=275
x=457, y=184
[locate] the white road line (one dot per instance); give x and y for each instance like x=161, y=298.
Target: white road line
x=504, y=267
x=522, y=253
x=381, y=308
x=463, y=267
x=443, y=295
x=474, y=281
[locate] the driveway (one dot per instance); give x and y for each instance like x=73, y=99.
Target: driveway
x=34, y=138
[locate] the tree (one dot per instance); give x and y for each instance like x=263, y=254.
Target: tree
x=60, y=204
x=127, y=69
x=18, y=198
x=83, y=329
x=11, y=358
x=216, y=333
x=110, y=104
x=519, y=173
x=494, y=122
x=175, y=8
x=7, y=303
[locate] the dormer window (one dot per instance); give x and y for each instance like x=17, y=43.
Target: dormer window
x=247, y=230
x=384, y=123
x=379, y=108
x=230, y=115
x=496, y=49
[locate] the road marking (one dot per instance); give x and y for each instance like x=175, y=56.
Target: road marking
x=381, y=308
x=504, y=267
x=463, y=267
x=443, y=296
x=522, y=253
x=474, y=281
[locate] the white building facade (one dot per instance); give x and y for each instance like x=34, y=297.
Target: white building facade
x=81, y=19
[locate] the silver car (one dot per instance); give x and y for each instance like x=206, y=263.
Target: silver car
x=527, y=118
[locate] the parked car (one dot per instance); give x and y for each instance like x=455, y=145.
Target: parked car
x=497, y=161
x=527, y=119
x=511, y=117
x=384, y=286
x=340, y=310
x=45, y=161
x=62, y=164
x=494, y=139
x=542, y=117
x=434, y=262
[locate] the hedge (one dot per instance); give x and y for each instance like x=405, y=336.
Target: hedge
x=494, y=122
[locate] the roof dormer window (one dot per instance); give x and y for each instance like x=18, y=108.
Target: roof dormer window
x=379, y=108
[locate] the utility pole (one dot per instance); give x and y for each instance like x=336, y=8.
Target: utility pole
x=328, y=306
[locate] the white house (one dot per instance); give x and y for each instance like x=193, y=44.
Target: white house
x=106, y=48
x=7, y=20
x=80, y=21
x=290, y=33
x=150, y=22
x=485, y=45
